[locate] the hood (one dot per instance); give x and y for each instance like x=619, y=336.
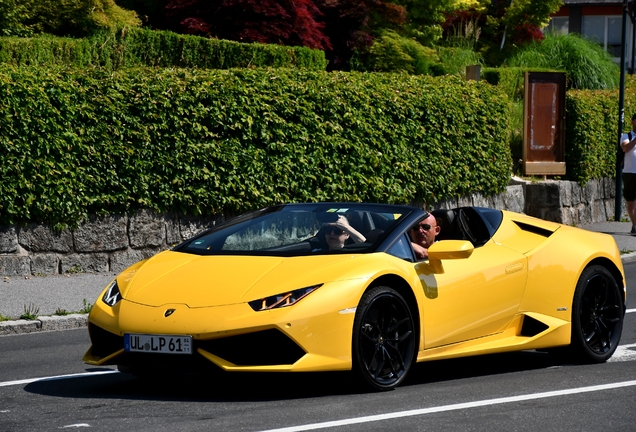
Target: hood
x=217, y=280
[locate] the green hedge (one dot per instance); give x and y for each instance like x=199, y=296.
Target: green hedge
x=207, y=141
x=592, y=130
x=130, y=47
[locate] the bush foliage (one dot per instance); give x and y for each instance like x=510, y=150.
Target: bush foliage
x=587, y=64
x=76, y=142
x=592, y=130
x=130, y=47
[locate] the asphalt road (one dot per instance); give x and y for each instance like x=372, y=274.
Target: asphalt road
x=44, y=386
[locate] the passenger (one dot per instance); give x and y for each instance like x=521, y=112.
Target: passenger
x=423, y=236
x=337, y=233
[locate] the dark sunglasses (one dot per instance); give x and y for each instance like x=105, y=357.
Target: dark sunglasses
x=424, y=227
x=336, y=231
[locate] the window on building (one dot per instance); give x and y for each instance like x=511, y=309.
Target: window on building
x=606, y=30
x=559, y=25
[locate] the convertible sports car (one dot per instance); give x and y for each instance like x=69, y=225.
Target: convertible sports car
x=270, y=291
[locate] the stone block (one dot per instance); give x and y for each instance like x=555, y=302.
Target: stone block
x=591, y=191
x=597, y=211
x=15, y=265
x=191, y=226
x=83, y=263
x=8, y=239
x=466, y=201
x=514, y=199
x=66, y=322
x=19, y=327
x=46, y=264
x=609, y=187
x=147, y=229
x=577, y=194
x=497, y=201
x=479, y=200
x=40, y=238
x=585, y=214
x=102, y=234
x=547, y=194
x=173, y=237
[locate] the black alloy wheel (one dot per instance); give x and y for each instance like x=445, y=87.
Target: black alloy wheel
x=384, y=338
x=597, y=315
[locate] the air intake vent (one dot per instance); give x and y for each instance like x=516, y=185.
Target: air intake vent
x=104, y=342
x=534, y=229
x=532, y=327
x=269, y=347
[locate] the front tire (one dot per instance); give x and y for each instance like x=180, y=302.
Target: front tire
x=597, y=316
x=384, y=339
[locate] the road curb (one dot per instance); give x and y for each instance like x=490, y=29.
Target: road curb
x=43, y=323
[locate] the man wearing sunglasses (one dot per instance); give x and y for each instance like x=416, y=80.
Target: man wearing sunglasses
x=423, y=236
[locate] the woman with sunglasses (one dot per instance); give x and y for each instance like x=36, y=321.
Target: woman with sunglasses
x=423, y=236
x=336, y=233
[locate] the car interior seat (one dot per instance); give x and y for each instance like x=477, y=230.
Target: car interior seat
x=448, y=224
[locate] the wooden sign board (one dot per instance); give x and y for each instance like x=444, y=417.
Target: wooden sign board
x=544, y=124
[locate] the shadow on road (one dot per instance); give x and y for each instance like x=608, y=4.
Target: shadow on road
x=226, y=387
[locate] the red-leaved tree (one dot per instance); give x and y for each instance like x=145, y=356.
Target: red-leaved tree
x=352, y=24
x=285, y=22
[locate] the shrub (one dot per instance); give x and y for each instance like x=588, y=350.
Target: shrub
x=587, y=65
x=76, y=142
x=128, y=47
x=394, y=53
x=455, y=59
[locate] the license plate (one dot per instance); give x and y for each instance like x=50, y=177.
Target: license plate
x=162, y=344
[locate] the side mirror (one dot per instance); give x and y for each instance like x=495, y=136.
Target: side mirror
x=445, y=250
x=450, y=249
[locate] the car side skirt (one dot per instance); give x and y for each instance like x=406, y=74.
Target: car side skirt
x=556, y=333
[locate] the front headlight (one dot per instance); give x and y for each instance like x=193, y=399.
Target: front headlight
x=282, y=300
x=112, y=294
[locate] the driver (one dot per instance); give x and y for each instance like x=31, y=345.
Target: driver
x=423, y=235
x=337, y=233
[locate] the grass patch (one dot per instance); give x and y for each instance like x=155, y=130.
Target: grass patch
x=87, y=307
x=30, y=312
x=587, y=64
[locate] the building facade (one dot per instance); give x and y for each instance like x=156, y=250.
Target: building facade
x=599, y=20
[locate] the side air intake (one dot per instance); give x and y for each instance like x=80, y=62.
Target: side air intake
x=532, y=327
x=534, y=229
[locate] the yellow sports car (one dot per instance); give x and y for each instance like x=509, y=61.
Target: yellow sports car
x=337, y=286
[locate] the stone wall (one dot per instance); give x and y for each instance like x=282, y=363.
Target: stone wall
x=112, y=243
x=102, y=244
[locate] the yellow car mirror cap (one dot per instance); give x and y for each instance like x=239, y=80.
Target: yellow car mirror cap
x=450, y=249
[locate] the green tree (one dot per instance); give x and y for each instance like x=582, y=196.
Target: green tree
x=425, y=18
x=509, y=24
x=62, y=17
x=392, y=52
x=13, y=17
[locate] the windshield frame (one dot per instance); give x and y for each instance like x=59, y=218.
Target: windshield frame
x=222, y=232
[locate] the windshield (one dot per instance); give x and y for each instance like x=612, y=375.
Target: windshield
x=300, y=229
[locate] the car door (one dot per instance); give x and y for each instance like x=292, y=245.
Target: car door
x=473, y=297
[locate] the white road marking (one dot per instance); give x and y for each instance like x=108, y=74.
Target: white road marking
x=460, y=406
x=78, y=425
x=624, y=353
x=53, y=378
x=630, y=310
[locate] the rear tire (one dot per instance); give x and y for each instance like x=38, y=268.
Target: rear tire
x=384, y=339
x=597, y=316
